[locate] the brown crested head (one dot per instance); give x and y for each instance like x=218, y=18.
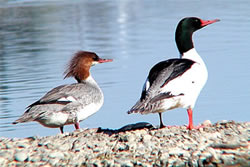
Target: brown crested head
x=80, y=64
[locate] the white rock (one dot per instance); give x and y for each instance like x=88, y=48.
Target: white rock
x=2, y=161
x=58, y=155
x=207, y=123
x=164, y=156
x=54, y=161
x=34, y=159
x=147, y=138
x=176, y=151
x=21, y=156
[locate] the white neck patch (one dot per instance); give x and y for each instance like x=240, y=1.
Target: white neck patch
x=192, y=55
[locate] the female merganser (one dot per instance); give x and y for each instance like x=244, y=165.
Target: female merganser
x=69, y=104
x=176, y=83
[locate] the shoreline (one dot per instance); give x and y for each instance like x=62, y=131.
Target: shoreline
x=225, y=143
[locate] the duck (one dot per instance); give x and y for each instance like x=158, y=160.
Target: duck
x=177, y=82
x=70, y=103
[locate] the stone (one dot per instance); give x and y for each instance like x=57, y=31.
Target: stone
x=9, y=146
x=22, y=145
x=207, y=123
x=21, y=156
x=34, y=159
x=53, y=162
x=3, y=161
x=58, y=155
x=176, y=151
x=147, y=138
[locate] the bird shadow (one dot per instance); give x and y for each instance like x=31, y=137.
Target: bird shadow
x=126, y=128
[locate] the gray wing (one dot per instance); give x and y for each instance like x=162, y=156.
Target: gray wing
x=66, y=98
x=65, y=94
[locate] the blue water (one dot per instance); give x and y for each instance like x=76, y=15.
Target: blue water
x=37, y=38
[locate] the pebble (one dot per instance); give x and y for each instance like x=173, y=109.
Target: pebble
x=21, y=156
x=147, y=138
x=207, y=123
x=58, y=155
x=53, y=162
x=2, y=161
x=175, y=151
x=125, y=163
x=34, y=159
x=224, y=142
x=9, y=146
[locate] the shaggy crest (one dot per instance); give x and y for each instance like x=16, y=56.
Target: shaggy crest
x=80, y=64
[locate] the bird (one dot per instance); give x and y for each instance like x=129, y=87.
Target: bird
x=176, y=82
x=70, y=103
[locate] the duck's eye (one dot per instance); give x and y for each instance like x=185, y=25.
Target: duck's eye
x=197, y=22
x=95, y=58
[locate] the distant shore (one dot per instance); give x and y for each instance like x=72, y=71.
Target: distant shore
x=226, y=143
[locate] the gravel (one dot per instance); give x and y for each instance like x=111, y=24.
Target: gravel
x=225, y=143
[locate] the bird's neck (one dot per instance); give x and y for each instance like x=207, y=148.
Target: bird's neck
x=192, y=55
x=90, y=80
x=183, y=40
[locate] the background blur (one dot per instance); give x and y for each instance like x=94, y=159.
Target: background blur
x=37, y=38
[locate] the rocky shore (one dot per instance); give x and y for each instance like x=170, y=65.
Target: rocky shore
x=225, y=143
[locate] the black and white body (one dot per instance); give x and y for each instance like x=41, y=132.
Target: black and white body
x=176, y=83
x=69, y=104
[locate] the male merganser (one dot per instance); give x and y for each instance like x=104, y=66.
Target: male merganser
x=176, y=83
x=69, y=104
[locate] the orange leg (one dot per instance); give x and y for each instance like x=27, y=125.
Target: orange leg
x=190, y=119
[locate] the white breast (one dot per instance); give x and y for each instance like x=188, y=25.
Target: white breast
x=89, y=110
x=190, y=83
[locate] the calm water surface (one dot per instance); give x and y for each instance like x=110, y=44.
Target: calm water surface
x=38, y=38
